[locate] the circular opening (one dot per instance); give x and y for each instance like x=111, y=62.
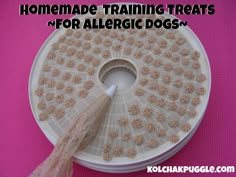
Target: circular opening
x=120, y=72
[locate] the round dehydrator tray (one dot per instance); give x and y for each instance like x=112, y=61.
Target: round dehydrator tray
x=163, y=78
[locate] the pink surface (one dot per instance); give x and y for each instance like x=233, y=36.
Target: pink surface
x=23, y=146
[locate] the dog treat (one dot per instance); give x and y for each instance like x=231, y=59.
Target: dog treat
x=168, y=67
x=66, y=76
x=60, y=60
x=127, y=51
x=124, y=121
x=95, y=62
x=195, y=55
x=90, y=71
x=200, y=91
x=42, y=105
x=157, y=63
x=59, y=113
x=51, y=83
x=70, y=51
x=189, y=74
x=80, y=54
x=147, y=112
x=137, y=123
x=42, y=80
x=185, y=127
x=163, y=43
x=152, y=99
x=163, y=90
x=172, y=106
x=49, y=96
x=150, y=127
x=69, y=102
x=173, y=95
x=161, y=132
x=196, y=65
x=43, y=116
x=134, y=110
x=39, y=92
x=168, y=55
x=106, y=148
x=185, y=99
x=114, y=34
x=88, y=84
x=184, y=52
x=88, y=36
x=192, y=113
x=180, y=40
x=69, y=89
x=174, y=48
x=139, y=44
x=189, y=88
x=60, y=85
x=76, y=79
x=117, y=151
x=51, y=55
x=131, y=153
x=148, y=59
x=201, y=77
x=81, y=67
x=139, y=92
x=83, y=93
x=174, y=138
x=185, y=61
x=55, y=46
x=113, y=134
x=160, y=31
x=143, y=81
x=161, y=102
x=173, y=123
x=138, y=54
x=142, y=33
x=126, y=137
x=154, y=74
x=152, y=143
x=106, y=54
x=117, y=47
x=148, y=46
x=166, y=79
x=161, y=117
x=181, y=110
x=145, y=70
x=170, y=35
x=50, y=109
x=179, y=70
x=88, y=58
x=63, y=48
x=139, y=139
x=107, y=157
x=195, y=101
x=59, y=98
x=87, y=46
x=46, y=67
x=178, y=83
x=153, y=85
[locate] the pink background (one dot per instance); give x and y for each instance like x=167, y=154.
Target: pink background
x=23, y=146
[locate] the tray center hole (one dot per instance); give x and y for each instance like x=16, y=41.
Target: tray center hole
x=120, y=72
